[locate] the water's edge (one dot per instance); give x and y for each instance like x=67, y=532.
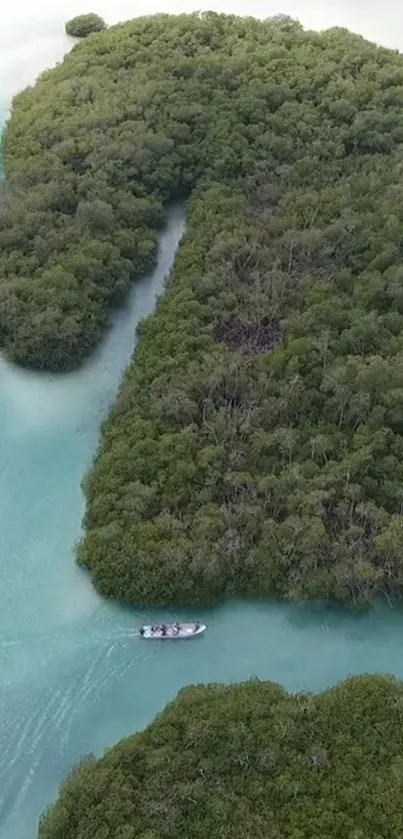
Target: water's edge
x=75, y=677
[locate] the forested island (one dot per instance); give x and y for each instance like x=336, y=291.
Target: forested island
x=256, y=444
x=249, y=761
x=84, y=25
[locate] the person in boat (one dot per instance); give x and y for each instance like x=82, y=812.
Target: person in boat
x=163, y=629
x=176, y=627
x=142, y=631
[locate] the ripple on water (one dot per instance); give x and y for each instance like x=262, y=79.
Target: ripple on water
x=84, y=686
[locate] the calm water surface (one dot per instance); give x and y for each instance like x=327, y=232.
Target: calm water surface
x=74, y=676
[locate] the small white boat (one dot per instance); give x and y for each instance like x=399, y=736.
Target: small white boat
x=172, y=631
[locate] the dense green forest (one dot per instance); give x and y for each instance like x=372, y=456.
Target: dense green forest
x=256, y=445
x=248, y=761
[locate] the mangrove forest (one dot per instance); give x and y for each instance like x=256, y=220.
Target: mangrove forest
x=255, y=447
x=248, y=761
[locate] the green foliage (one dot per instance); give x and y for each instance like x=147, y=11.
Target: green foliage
x=139, y=115
x=83, y=25
x=248, y=762
x=256, y=444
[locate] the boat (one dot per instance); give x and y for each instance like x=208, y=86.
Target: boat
x=172, y=631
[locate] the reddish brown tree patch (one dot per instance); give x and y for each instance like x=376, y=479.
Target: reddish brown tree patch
x=250, y=337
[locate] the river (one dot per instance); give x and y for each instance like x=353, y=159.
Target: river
x=74, y=676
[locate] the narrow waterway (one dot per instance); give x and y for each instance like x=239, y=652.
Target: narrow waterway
x=74, y=676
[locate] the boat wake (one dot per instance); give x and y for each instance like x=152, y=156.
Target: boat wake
x=39, y=733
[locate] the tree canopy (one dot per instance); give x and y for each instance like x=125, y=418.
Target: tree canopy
x=256, y=444
x=248, y=762
x=83, y=25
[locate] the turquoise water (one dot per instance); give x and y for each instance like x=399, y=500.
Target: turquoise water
x=74, y=675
